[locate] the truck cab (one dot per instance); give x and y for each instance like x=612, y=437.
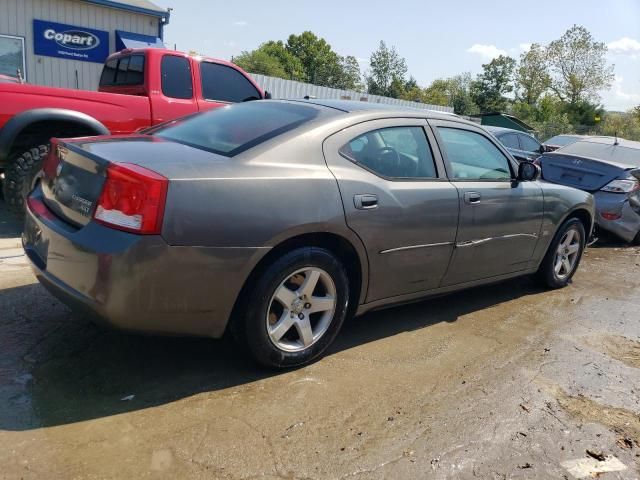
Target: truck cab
x=176, y=83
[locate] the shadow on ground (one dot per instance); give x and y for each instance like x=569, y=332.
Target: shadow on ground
x=81, y=371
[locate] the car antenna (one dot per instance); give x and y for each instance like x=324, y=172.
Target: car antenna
x=615, y=141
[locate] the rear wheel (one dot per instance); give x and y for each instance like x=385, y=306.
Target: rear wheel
x=564, y=255
x=295, y=309
x=20, y=177
x=636, y=241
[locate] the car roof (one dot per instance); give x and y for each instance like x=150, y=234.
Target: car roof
x=499, y=130
x=350, y=106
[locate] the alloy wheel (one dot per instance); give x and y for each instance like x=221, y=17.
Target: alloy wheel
x=301, y=309
x=567, y=254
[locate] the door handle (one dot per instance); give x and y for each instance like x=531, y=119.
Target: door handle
x=472, y=197
x=365, y=201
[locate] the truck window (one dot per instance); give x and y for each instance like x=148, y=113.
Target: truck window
x=176, y=77
x=126, y=70
x=226, y=84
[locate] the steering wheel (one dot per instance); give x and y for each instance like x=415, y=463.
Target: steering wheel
x=391, y=167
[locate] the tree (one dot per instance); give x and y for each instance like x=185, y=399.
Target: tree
x=532, y=77
x=350, y=77
x=272, y=59
x=388, y=69
x=320, y=63
x=578, y=66
x=490, y=87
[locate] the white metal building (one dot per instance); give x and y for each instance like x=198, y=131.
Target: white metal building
x=63, y=43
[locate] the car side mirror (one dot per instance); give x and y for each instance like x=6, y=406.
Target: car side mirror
x=542, y=149
x=636, y=173
x=267, y=95
x=528, y=172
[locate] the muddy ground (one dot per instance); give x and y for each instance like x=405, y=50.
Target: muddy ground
x=505, y=381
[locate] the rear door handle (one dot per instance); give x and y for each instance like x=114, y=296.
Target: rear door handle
x=472, y=197
x=365, y=201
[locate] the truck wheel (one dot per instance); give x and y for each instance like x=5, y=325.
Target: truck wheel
x=20, y=176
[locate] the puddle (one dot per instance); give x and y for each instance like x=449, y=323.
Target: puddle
x=621, y=348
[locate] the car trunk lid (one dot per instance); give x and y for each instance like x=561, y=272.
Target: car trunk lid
x=72, y=182
x=578, y=172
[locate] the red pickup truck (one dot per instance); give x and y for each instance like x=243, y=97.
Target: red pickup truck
x=138, y=89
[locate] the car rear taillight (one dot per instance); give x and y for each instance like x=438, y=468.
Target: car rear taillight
x=622, y=186
x=132, y=199
x=610, y=215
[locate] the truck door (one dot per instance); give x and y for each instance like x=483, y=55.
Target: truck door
x=176, y=97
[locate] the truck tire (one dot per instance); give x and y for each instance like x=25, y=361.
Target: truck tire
x=20, y=176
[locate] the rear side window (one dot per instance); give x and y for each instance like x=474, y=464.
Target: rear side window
x=395, y=152
x=176, y=77
x=473, y=156
x=123, y=71
x=235, y=128
x=226, y=84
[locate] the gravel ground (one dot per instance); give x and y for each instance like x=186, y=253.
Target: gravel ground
x=505, y=381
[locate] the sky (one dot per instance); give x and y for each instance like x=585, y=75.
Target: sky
x=437, y=38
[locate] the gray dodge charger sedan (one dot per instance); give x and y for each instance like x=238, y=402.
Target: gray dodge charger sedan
x=276, y=220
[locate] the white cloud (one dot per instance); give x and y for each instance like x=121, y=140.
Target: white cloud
x=625, y=45
x=525, y=46
x=229, y=43
x=631, y=98
x=487, y=52
x=241, y=23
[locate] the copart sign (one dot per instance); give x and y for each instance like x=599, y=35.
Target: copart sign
x=70, y=42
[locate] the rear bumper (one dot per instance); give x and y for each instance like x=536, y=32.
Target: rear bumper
x=628, y=225
x=136, y=282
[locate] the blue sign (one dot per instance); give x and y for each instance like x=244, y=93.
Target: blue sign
x=68, y=41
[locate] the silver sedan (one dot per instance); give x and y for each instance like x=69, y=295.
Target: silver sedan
x=277, y=220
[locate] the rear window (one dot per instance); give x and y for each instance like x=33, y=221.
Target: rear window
x=235, y=128
x=223, y=83
x=562, y=140
x=123, y=71
x=604, y=151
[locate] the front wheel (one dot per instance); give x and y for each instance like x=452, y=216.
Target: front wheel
x=295, y=309
x=20, y=177
x=564, y=254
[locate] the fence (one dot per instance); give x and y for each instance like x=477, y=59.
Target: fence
x=281, y=88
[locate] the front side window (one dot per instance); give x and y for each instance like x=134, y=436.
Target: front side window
x=226, y=84
x=395, y=152
x=510, y=140
x=235, y=128
x=529, y=144
x=473, y=156
x=176, y=77
x=12, y=57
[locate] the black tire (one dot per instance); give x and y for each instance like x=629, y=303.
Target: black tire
x=250, y=326
x=636, y=241
x=20, y=175
x=546, y=274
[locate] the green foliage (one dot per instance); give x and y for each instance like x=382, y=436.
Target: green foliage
x=578, y=66
x=272, y=59
x=532, y=78
x=624, y=125
x=387, y=74
x=490, y=87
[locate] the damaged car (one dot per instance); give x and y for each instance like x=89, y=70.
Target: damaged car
x=277, y=220
x=609, y=168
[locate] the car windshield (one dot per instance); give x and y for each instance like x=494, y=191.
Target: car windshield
x=562, y=140
x=629, y=155
x=235, y=128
